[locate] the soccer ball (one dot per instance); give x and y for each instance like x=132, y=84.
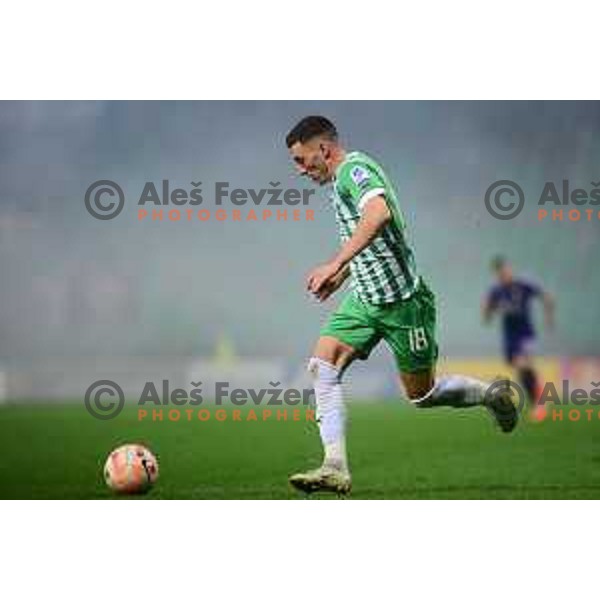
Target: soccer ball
x=130, y=469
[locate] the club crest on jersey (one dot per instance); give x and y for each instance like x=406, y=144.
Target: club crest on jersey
x=359, y=175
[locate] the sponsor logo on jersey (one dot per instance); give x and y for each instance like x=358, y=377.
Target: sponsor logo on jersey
x=359, y=175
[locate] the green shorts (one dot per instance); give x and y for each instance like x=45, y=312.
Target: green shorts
x=407, y=326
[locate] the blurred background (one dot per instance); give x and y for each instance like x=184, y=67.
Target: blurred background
x=83, y=299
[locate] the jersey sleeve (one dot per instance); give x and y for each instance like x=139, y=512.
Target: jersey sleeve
x=531, y=288
x=360, y=182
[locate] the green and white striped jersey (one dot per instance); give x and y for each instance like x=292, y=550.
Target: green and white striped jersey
x=384, y=271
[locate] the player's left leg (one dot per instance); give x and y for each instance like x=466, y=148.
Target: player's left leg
x=410, y=331
x=348, y=334
x=460, y=391
x=522, y=362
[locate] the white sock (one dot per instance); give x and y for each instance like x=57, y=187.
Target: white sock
x=457, y=391
x=331, y=412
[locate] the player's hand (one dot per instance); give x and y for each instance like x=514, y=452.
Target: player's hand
x=333, y=285
x=322, y=277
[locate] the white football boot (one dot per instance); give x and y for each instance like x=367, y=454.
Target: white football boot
x=324, y=479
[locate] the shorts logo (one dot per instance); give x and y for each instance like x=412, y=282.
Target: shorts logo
x=359, y=175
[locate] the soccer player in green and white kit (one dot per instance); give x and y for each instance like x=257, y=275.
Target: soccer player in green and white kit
x=388, y=300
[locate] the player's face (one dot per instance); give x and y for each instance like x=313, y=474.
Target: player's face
x=504, y=274
x=311, y=160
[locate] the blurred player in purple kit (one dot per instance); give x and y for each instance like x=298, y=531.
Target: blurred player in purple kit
x=511, y=297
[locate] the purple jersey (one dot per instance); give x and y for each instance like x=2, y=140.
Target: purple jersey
x=513, y=302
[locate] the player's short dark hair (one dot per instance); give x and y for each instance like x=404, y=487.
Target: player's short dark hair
x=309, y=128
x=498, y=262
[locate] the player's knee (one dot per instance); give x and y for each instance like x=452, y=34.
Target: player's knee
x=418, y=386
x=518, y=362
x=323, y=371
x=420, y=397
x=334, y=352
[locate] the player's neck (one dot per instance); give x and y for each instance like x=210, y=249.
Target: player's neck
x=338, y=156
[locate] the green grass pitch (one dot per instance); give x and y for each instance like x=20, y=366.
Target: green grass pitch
x=395, y=452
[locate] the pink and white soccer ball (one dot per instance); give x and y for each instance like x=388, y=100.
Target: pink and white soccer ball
x=131, y=469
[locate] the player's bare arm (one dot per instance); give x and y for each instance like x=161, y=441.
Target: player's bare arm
x=548, y=303
x=376, y=215
x=487, y=311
